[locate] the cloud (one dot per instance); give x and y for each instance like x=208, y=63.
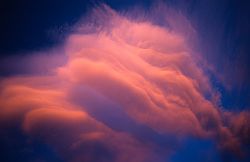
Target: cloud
x=125, y=85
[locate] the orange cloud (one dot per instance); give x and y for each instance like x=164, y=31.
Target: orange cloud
x=146, y=70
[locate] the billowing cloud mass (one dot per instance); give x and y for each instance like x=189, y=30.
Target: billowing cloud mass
x=129, y=91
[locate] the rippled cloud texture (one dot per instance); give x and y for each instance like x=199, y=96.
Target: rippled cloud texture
x=129, y=91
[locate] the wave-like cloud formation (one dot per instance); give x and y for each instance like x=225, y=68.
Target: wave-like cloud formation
x=129, y=91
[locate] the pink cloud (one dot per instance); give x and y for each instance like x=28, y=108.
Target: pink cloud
x=147, y=70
